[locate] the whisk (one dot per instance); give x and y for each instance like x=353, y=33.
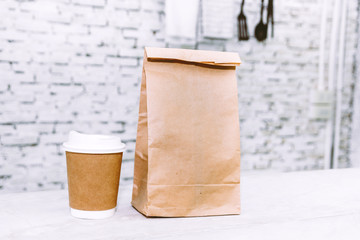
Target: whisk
x=243, y=33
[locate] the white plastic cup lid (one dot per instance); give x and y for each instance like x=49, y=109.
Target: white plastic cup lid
x=93, y=143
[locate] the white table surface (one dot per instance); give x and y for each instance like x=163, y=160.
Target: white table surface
x=297, y=205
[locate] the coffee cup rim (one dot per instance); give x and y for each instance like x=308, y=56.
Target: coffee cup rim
x=68, y=148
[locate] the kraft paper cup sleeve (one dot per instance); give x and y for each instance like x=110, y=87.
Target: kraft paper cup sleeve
x=93, y=180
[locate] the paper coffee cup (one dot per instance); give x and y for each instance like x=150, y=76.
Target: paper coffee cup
x=93, y=169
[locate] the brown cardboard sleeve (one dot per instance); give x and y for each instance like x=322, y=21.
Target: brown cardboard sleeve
x=93, y=180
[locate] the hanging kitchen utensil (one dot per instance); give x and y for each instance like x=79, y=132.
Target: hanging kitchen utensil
x=243, y=33
x=261, y=28
x=270, y=14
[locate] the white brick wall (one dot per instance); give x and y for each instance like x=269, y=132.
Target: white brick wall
x=355, y=128
x=76, y=64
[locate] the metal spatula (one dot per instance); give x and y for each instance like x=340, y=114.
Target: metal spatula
x=243, y=33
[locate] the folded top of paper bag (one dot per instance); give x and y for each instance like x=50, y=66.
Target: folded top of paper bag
x=194, y=56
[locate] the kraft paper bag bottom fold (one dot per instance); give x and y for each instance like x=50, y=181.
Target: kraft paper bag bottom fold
x=188, y=201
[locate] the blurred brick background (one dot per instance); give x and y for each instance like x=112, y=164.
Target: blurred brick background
x=76, y=64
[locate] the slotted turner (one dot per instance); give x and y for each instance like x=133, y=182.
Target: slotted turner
x=243, y=33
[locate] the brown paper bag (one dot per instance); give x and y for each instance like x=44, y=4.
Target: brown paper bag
x=187, y=156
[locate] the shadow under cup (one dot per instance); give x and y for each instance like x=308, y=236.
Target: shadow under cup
x=93, y=180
